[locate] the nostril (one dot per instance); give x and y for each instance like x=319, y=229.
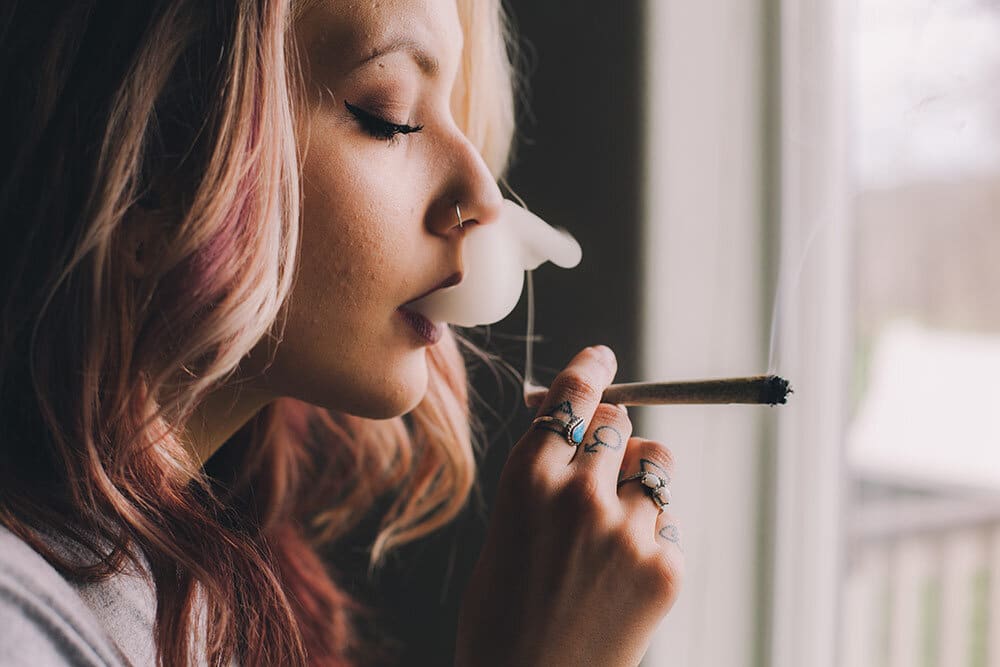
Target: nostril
x=460, y=230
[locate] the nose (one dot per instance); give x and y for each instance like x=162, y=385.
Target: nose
x=470, y=194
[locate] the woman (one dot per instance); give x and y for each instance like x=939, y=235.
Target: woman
x=214, y=215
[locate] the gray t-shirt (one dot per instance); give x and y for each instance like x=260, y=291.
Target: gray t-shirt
x=46, y=620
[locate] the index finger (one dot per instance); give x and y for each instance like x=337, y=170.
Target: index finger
x=576, y=393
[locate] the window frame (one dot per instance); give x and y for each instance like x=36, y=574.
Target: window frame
x=732, y=89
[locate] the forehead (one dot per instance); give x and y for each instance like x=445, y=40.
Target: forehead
x=360, y=31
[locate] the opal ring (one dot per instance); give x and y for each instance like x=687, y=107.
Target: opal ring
x=573, y=429
x=654, y=485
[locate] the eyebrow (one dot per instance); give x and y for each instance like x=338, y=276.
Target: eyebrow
x=427, y=63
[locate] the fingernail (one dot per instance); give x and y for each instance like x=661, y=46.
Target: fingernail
x=605, y=351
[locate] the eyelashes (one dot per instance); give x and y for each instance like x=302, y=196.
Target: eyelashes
x=378, y=127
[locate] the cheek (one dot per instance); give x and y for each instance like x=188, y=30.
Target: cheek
x=343, y=344
x=352, y=268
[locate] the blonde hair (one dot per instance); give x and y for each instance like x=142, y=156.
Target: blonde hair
x=183, y=113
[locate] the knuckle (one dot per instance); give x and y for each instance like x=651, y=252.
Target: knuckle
x=626, y=547
x=581, y=496
x=662, y=578
x=574, y=385
x=530, y=481
x=522, y=457
x=657, y=453
x=612, y=415
x=537, y=484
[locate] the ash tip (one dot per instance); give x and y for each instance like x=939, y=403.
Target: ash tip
x=777, y=390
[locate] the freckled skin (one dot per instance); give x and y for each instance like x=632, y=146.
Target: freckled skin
x=378, y=215
x=574, y=570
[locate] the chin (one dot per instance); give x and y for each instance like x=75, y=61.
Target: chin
x=365, y=389
x=399, y=392
x=387, y=407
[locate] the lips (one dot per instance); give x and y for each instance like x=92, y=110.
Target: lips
x=429, y=331
x=450, y=281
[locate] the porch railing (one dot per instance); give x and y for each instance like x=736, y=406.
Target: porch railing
x=923, y=585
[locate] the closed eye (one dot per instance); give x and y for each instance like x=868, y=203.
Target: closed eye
x=379, y=127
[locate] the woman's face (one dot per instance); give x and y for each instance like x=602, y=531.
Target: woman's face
x=384, y=165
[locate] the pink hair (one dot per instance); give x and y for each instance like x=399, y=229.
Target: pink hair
x=150, y=211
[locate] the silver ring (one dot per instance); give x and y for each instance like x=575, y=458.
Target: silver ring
x=458, y=212
x=654, y=485
x=572, y=430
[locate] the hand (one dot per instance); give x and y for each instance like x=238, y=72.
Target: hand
x=575, y=570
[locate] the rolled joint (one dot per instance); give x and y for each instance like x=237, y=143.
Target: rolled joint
x=755, y=390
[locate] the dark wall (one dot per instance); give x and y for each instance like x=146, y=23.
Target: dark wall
x=578, y=165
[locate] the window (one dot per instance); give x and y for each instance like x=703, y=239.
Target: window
x=924, y=530
x=859, y=144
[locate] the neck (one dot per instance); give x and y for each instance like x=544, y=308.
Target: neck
x=220, y=415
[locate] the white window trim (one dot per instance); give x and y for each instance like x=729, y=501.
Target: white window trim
x=702, y=310
x=815, y=333
x=704, y=314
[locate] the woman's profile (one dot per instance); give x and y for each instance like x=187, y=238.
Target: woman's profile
x=214, y=220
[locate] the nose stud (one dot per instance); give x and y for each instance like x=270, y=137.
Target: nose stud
x=458, y=212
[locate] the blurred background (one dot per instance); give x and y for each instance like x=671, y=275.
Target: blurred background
x=806, y=187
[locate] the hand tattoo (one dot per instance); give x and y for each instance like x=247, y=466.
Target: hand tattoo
x=672, y=533
x=563, y=411
x=565, y=408
x=604, y=436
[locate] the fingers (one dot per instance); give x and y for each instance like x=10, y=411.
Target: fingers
x=575, y=393
x=603, y=446
x=644, y=456
x=670, y=545
x=660, y=530
x=668, y=531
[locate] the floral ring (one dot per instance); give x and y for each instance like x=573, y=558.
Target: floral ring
x=654, y=485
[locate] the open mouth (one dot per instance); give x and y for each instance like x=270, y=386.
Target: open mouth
x=450, y=281
x=431, y=332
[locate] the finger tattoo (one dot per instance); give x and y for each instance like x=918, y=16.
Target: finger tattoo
x=563, y=411
x=671, y=533
x=565, y=408
x=604, y=436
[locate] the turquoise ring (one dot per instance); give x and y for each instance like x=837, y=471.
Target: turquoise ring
x=573, y=429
